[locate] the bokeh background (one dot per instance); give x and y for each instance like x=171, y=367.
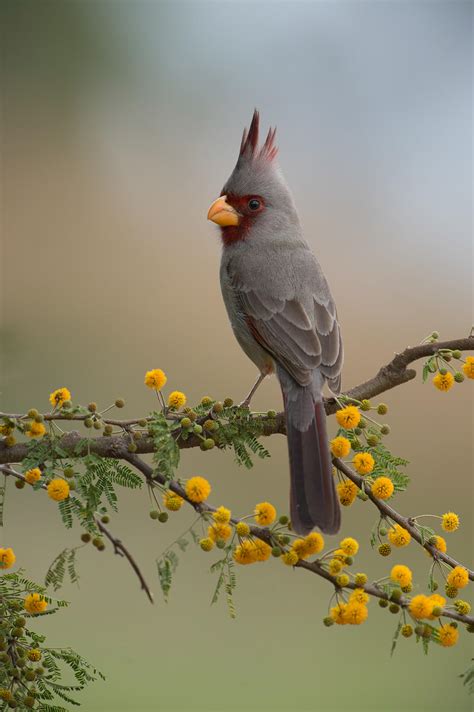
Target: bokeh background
x=121, y=122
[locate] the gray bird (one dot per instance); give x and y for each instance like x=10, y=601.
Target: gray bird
x=283, y=316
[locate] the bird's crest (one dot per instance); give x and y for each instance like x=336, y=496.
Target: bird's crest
x=249, y=149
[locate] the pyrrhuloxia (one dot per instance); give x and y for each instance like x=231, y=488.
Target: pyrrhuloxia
x=283, y=316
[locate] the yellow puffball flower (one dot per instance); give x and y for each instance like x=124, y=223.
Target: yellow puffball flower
x=7, y=558
x=458, y=577
x=448, y=635
x=363, y=462
x=358, y=595
x=437, y=600
x=242, y=528
x=348, y=417
x=339, y=554
x=59, y=396
x=265, y=513
x=401, y=574
x=245, y=552
x=462, y=607
x=262, y=549
x=421, y=606
x=219, y=530
x=35, y=603
x=337, y=613
x=172, y=501
x=440, y=544
x=450, y=522
x=349, y=546
x=300, y=548
x=443, y=381
x=314, y=543
x=58, y=489
x=222, y=515
x=290, y=558
x=347, y=492
x=155, y=379
x=468, y=367
x=197, y=489
x=32, y=476
x=335, y=566
x=340, y=447
x=382, y=488
x=399, y=536
x=176, y=400
x=355, y=613
x=34, y=655
x=36, y=430
x=206, y=544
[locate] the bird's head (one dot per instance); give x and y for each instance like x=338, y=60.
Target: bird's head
x=255, y=199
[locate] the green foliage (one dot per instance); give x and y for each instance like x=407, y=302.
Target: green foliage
x=239, y=430
x=468, y=678
x=226, y=580
x=166, y=450
x=65, y=562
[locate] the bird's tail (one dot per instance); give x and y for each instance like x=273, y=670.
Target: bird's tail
x=313, y=498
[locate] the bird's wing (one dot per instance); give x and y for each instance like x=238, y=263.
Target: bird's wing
x=291, y=314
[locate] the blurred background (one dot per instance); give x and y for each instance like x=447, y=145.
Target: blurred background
x=121, y=122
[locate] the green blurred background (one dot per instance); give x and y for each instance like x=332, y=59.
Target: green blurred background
x=121, y=122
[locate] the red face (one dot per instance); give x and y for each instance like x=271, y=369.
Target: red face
x=248, y=207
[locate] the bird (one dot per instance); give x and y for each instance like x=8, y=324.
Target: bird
x=283, y=316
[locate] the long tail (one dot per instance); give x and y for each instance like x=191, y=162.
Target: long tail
x=313, y=498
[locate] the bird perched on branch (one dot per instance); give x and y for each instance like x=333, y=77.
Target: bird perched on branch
x=283, y=316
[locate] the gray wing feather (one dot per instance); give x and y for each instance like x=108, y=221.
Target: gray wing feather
x=294, y=317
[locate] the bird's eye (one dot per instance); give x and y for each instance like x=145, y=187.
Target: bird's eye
x=254, y=204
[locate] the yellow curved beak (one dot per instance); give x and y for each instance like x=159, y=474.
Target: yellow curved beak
x=222, y=213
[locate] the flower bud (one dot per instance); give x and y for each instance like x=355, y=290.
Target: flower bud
x=459, y=377
x=92, y=407
x=119, y=403
x=228, y=402
x=163, y=517
x=385, y=429
x=365, y=404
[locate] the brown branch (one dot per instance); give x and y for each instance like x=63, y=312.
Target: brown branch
x=119, y=547
x=407, y=523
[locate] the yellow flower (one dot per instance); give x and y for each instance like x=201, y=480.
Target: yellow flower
x=468, y=367
x=219, y=530
x=349, y=546
x=58, y=489
x=198, y=489
x=314, y=543
x=437, y=600
x=35, y=603
x=401, y=574
x=355, y=613
x=300, y=548
x=358, y=595
x=34, y=655
x=440, y=544
x=7, y=558
x=265, y=513
x=420, y=606
x=36, y=430
x=155, y=379
x=340, y=447
x=347, y=492
x=206, y=544
x=245, y=552
x=462, y=607
x=172, y=501
x=32, y=476
x=290, y=558
x=335, y=566
x=382, y=488
x=450, y=522
x=337, y=613
x=448, y=635
x=339, y=554
x=59, y=396
x=263, y=550
x=348, y=417
x=222, y=515
x=443, y=382
x=458, y=577
x=176, y=400
x=242, y=528
x=363, y=462
x=360, y=579
x=399, y=536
